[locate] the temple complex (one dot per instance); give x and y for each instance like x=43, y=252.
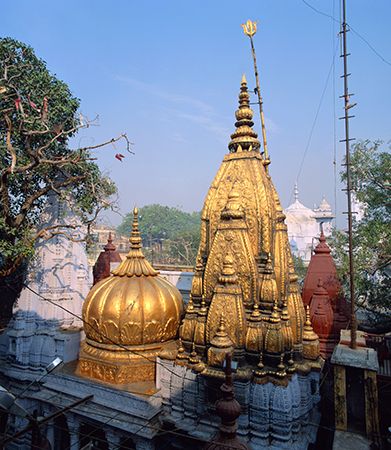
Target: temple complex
x=151, y=366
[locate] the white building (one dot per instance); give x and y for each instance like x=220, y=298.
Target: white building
x=59, y=271
x=304, y=225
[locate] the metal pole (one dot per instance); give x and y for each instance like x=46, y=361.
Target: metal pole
x=353, y=320
x=250, y=29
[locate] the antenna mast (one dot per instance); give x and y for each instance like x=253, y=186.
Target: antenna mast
x=346, y=117
x=250, y=28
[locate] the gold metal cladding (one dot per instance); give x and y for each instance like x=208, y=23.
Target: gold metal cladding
x=244, y=138
x=135, y=308
x=244, y=268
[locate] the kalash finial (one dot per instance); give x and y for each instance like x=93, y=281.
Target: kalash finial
x=135, y=263
x=135, y=236
x=244, y=138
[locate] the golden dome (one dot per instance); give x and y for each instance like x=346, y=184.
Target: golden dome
x=134, y=309
x=135, y=306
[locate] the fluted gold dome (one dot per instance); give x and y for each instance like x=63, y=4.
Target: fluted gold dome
x=134, y=309
x=135, y=306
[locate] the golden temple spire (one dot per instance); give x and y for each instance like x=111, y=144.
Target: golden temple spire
x=310, y=339
x=308, y=332
x=135, y=263
x=220, y=345
x=221, y=338
x=244, y=138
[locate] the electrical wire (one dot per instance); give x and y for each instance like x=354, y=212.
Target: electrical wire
x=352, y=29
x=316, y=117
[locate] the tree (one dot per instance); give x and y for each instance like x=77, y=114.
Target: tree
x=300, y=268
x=371, y=173
x=38, y=116
x=169, y=234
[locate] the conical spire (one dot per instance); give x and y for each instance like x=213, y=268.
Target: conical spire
x=244, y=138
x=221, y=338
x=135, y=236
x=109, y=247
x=135, y=263
x=308, y=332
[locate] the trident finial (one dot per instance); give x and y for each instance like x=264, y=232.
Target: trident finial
x=249, y=28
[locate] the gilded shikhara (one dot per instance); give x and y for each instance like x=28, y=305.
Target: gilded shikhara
x=245, y=271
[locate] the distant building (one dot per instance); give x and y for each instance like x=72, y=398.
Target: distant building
x=304, y=225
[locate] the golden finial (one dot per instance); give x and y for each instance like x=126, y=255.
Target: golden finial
x=281, y=365
x=221, y=338
x=308, y=332
x=255, y=314
x=307, y=317
x=193, y=359
x=285, y=312
x=244, y=138
x=190, y=305
x=203, y=310
x=275, y=316
x=291, y=363
x=249, y=28
x=181, y=350
x=135, y=236
x=135, y=263
x=260, y=363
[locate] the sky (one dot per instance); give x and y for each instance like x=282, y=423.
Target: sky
x=168, y=74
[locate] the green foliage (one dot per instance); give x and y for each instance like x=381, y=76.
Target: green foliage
x=38, y=115
x=371, y=172
x=300, y=267
x=169, y=234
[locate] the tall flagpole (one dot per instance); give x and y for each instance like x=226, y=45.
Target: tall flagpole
x=250, y=28
x=346, y=95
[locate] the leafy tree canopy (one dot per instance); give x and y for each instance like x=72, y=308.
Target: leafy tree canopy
x=38, y=116
x=176, y=232
x=371, y=180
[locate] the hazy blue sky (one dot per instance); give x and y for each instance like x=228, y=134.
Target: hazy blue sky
x=168, y=72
